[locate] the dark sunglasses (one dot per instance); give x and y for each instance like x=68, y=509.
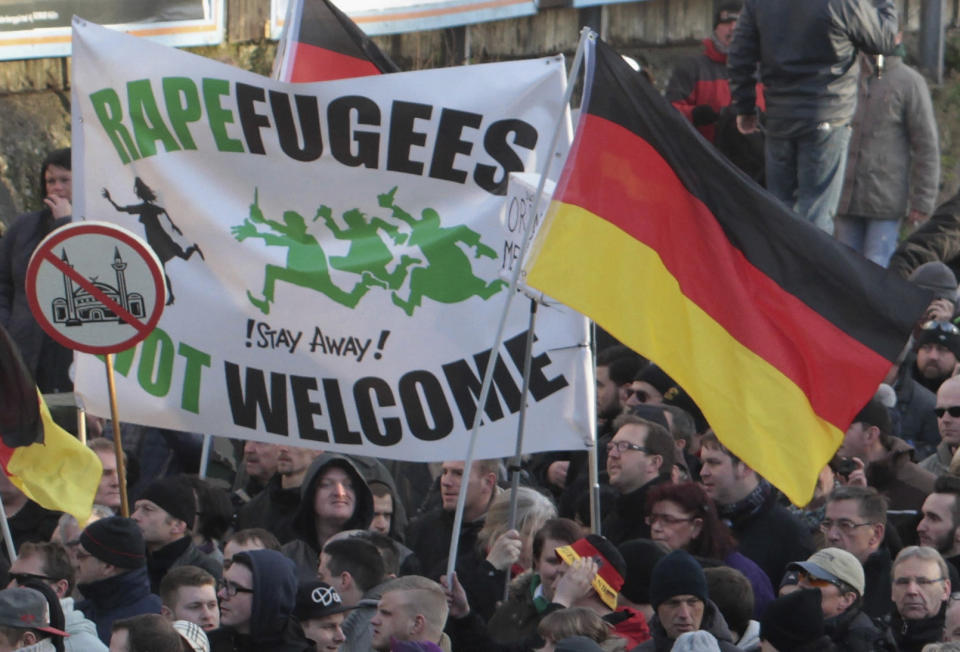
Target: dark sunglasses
x=953, y=410
x=641, y=395
x=944, y=326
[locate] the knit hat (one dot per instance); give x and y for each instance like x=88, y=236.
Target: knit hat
x=833, y=564
x=677, y=574
x=115, y=540
x=939, y=332
x=641, y=555
x=876, y=414
x=24, y=608
x=174, y=496
x=937, y=277
x=793, y=620
x=698, y=641
x=316, y=599
x=609, y=578
x=727, y=12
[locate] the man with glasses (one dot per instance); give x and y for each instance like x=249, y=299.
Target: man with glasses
x=839, y=577
x=639, y=456
x=938, y=351
x=50, y=564
x=921, y=587
x=947, y=412
x=855, y=520
x=257, y=599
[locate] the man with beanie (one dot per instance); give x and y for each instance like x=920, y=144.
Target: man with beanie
x=938, y=350
x=678, y=593
x=165, y=514
x=794, y=623
x=321, y=612
x=112, y=573
x=839, y=577
x=257, y=600
x=698, y=87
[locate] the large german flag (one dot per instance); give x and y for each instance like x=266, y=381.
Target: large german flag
x=321, y=43
x=43, y=460
x=778, y=332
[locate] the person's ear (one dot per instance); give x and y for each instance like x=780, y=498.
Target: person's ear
x=418, y=624
x=879, y=530
x=346, y=580
x=166, y=612
x=60, y=588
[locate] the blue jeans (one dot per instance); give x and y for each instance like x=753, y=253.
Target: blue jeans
x=875, y=239
x=806, y=172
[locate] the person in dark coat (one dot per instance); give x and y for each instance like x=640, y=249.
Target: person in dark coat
x=257, y=601
x=921, y=592
x=47, y=360
x=794, y=623
x=112, y=574
x=333, y=497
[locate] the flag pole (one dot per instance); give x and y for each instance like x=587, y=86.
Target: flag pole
x=205, y=455
x=593, y=470
x=7, y=537
x=117, y=439
x=516, y=462
x=586, y=34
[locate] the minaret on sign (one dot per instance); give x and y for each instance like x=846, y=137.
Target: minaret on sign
x=72, y=319
x=119, y=266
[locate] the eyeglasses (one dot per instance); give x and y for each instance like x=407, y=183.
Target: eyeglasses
x=845, y=525
x=624, y=446
x=21, y=578
x=230, y=589
x=945, y=326
x=922, y=582
x=641, y=395
x=667, y=519
x=953, y=410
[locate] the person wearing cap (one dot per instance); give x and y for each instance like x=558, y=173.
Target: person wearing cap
x=145, y=633
x=321, y=612
x=839, y=577
x=639, y=457
x=333, y=497
x=165, y=513
x=190, y=593
x=698, y=86
x=886, y=459
x=50, y=563
x=257, y=598
x=940, y=279
x=938, y=352
x=112, y=573
x=947, y=401
x=679, y=595
x=794, y=623
x=921, y=589
x=25, y=621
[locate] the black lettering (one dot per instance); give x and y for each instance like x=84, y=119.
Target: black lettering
x=245, y=406
x=308, y=113
x=436, y=403
x=449, y=144
x=403, y=137
x=392, y=427
x=338, y=418
x=465, y=386
x=496, y=145
x=300, y=388
x=250, y=121
x=342, y=137
x=540, y=386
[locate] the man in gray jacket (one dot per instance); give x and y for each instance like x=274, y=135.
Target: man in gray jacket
x=893, y=164
x=807, y=56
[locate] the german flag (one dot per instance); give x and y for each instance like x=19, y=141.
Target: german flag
x=320, y=43
x=43, y=460
x=777, y=331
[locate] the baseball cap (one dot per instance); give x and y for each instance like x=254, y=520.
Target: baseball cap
x=25, y=608
x=833, y=564
x=316, y=599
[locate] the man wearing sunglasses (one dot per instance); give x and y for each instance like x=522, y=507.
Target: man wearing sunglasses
x=840, y=579
x=948, y=423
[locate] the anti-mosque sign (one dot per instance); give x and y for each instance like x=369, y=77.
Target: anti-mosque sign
x=332, y=251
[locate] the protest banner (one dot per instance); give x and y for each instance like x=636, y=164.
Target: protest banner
x=332, y=251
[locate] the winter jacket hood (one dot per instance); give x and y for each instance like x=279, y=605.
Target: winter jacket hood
x=274, y=592
x=303, y=521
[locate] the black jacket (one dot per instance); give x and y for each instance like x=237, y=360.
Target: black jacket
x=183, y=552
x=118, y=597
x=876, y=594
x=853, y=631
x=428, y=536
x=912, y=635
x=807, y=53
x=272, y=509
x=626, y=521
x=712, y=622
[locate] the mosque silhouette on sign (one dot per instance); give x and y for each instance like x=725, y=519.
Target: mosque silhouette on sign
x=79, y=307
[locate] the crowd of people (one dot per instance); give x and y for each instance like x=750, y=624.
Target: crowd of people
x=286, y=549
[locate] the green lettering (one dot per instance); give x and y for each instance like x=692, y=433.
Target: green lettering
x=196, y=361
x=148, y=125
x=155, y=378
x=106, y=104
x=218, y=116
x=183, y=106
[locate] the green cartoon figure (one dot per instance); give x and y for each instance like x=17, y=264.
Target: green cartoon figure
x=448, y=276
x=306, y=260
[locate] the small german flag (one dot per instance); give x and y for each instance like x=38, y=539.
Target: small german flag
x=777, y=331
x=321, y=43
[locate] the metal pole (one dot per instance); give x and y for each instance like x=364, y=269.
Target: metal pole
x=593, y=468
x=585, y=35
x=515, y=463
x=205, y=455
x=7, y=537
x=117, y=439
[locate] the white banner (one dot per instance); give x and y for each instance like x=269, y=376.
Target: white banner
x=332, y=251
